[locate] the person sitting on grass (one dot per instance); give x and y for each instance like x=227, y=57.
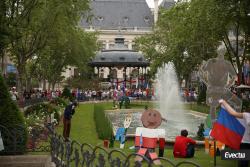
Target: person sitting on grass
x=184, y=146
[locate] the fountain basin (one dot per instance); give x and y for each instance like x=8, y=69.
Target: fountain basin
x=173, y=127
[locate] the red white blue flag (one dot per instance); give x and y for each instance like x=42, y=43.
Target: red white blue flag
x=228, y=130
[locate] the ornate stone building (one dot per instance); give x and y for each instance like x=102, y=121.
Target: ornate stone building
x=118, y=23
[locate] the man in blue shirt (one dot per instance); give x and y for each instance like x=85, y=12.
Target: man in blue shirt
x=68, y=112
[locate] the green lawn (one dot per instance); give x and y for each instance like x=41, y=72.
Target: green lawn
x=195, y=107
x=83, y=130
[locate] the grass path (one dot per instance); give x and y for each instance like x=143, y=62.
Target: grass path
x=83, y=130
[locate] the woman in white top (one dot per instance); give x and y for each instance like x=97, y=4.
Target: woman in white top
x=244, y=119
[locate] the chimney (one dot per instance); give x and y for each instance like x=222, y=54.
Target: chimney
x=156, y=10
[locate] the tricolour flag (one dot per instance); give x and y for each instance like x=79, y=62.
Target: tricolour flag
x=141, y=140
x=228, y=130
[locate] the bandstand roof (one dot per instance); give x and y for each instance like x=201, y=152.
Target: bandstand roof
x=113, y=58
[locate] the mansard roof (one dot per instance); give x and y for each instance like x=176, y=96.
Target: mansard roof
x=119, y=14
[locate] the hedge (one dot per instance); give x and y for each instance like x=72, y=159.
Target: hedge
x=102, y=123
x=11, y=118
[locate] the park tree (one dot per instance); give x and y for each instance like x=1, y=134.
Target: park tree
x=12, y=119
x=174, y=40
x=236, y=31
x=191, y=31
x=32, y=22
x=71, y=48
x=3, y=32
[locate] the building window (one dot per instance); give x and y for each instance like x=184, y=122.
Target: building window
x=111, y=46
x=146, y=19
x=125, y=19
x=100, y=18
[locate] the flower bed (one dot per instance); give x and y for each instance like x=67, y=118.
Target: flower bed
x=37, y=116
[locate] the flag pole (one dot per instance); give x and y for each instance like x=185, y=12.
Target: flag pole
x=213, y=119
x=215, y=150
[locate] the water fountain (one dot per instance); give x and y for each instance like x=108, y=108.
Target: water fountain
x=169, y=104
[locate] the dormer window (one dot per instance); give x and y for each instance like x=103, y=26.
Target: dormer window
x=100, y=18
x=140, y=58
x=146, y=19
x=125, y=19
x=102, y=58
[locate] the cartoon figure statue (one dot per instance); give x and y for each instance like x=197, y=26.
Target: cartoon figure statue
x=147, y=136
x=219, y=75
x=120, y=134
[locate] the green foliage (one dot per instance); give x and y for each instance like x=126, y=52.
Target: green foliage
x=85, y=80
x=246, y=105
x=61, y=102
x=102, y=123
x=203, y=108
x=42, y=111
x=47, y=33
x=125, y=100
x=11, y=79
x=201, y=96
x=11, y=117
x=200, y=131
x=67, y=94
x=191, y=31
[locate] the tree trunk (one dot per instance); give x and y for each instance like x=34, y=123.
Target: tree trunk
x=3, y=63
x=49, y=86
x=187, y=83
x=240, y=76
x=53, y=86
x=44, y=84
x=20, y=84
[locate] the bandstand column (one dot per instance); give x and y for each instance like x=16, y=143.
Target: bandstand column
x=98, y=68
x=130, y=78
x=110, y=77
x=125, y=75
x=138, y=76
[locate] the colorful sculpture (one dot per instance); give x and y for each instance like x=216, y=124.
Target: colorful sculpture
x=147, y=137
x=121, y=132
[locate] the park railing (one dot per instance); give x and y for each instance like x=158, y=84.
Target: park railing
x=19, y=140
x=75, y=154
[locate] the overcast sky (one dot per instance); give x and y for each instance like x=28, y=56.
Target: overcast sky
x=151, y=3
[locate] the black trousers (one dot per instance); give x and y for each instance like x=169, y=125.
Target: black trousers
x=190, y=151
x=245, y=146
x=66, y=128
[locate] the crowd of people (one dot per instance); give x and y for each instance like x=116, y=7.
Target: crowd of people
x=85, y=95
x=35, y=94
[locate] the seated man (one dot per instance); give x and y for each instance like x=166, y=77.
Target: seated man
x=184, y=146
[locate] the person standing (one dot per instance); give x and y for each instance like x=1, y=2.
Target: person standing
x=244, y=119
x=184, y=146
x=68, y=112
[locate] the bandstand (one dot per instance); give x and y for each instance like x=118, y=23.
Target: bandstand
x=122, y=68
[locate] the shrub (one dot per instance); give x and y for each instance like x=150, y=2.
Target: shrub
x=61, y=102
x=202, y=94
x=42, y=110
x=200, y=131
x=11, y=118
x=125, y=100
x=102, y=123
x=67, y=94
x=245, y=105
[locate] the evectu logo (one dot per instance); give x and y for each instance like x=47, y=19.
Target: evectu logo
x=235, y=154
